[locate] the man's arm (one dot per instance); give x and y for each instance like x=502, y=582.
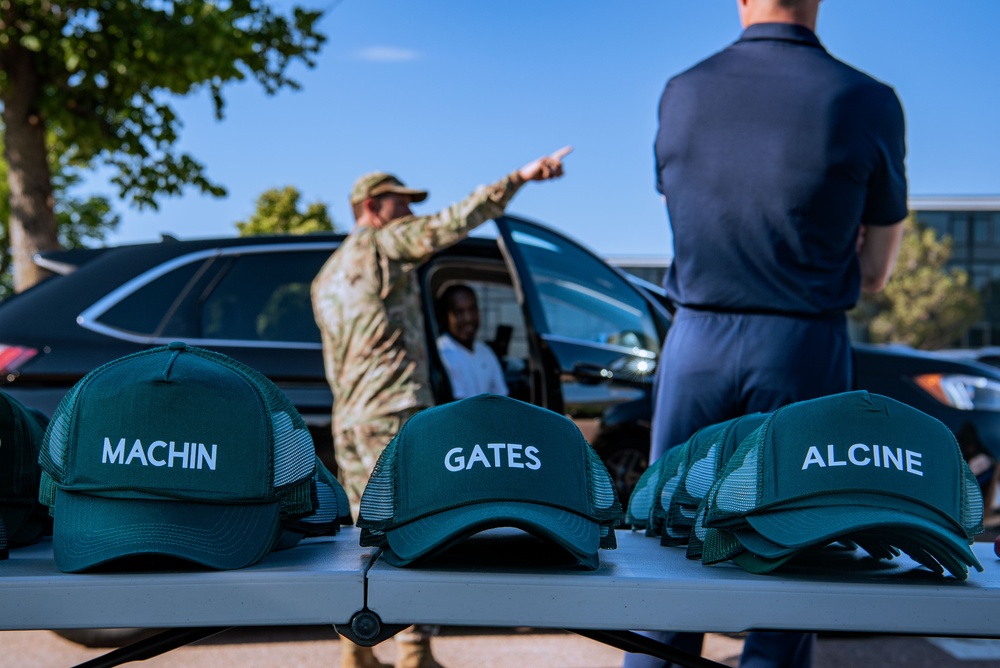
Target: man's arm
x=877, y=251
x=415, y=239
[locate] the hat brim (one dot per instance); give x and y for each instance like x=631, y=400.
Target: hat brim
x=804, y=527
x=578, y=535
x=414, y=194
x=90, y=530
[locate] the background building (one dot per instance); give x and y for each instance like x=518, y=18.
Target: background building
x=973, y=223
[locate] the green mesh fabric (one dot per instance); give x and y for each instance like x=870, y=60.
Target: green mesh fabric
x=736, y=489
x=972, y=502
x=681, y=507
x=669, y=477
x=640, y=504
x=696, y=538
x=607, y=507
x=378, y=502
x=719, y=546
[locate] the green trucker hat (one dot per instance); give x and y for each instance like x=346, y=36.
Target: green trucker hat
x=482, y=463
x=819, y=470
x=175, y=451
x=22, y=516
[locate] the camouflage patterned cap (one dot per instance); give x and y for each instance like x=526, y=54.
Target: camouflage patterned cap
x=378, y=183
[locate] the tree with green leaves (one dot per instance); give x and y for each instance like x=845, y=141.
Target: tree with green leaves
x=925, y=305
x=278, y=213
x=89, y=81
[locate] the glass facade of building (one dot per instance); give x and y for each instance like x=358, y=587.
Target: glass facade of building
x=973, y=224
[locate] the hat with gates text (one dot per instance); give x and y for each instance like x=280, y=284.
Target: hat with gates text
x=486, y=462
x=176, y=451
x=851, y=464
x=22, y=518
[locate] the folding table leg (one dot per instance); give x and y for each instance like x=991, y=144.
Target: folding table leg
x=630, y=641
x=153, y=646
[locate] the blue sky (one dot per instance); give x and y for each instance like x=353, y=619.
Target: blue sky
x=449, y=94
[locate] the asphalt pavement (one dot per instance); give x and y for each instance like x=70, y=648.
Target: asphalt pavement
x=316, y=646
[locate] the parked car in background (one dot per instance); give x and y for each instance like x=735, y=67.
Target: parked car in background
x=575, y=335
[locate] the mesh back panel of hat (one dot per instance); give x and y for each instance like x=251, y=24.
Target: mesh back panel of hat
x=673, y=460
x=640, y=503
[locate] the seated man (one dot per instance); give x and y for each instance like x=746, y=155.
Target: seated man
x=472, y=366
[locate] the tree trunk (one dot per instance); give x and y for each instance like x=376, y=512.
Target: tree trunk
x=32, y=216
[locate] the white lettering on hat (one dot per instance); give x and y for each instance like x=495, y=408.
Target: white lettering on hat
x=456, y=460
x=882, y=456
x=190, y=456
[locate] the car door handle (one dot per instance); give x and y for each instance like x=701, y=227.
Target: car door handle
x=591, y=374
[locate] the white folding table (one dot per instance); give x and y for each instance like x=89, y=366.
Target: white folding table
x=641, y=585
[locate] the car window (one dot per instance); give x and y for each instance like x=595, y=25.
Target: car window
x=501, y=320
x=145, y=309
x=581, y=297
x=264, y=297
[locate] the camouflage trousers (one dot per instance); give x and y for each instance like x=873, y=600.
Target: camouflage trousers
x=358, y=448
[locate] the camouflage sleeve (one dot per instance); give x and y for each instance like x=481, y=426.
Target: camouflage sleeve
x=414, y=239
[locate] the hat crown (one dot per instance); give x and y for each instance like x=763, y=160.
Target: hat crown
x=367, y=184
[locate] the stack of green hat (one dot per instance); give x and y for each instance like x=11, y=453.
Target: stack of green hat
x=675, y=520
x=181, y=452
x=707, y=464
x=483, y=463
x=853, y=467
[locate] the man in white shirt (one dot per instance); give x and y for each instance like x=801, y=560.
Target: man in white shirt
x=472, y=366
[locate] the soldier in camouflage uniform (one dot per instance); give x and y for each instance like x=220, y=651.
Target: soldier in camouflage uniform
x=366, y=303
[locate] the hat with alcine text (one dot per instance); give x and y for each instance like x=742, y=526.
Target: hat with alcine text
x=22, y=518
x=849, y=466
x=179, y=452
x=482, y=463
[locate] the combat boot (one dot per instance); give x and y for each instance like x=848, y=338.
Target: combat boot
x=356, y=656
x=415, y=654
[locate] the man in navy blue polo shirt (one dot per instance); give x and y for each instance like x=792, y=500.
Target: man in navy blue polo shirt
x=783, y=173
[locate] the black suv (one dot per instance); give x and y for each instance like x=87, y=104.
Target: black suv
x=575, y=335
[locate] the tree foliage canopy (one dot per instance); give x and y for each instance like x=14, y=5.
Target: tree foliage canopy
x=91, y=80
x=925, y=305
x=278, y=213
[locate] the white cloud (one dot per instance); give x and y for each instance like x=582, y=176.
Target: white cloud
x=387, y=54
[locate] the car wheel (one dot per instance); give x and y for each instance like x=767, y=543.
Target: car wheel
x=626, y=457
x=106, y=637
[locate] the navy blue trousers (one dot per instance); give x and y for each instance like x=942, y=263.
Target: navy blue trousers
x=718, y=366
